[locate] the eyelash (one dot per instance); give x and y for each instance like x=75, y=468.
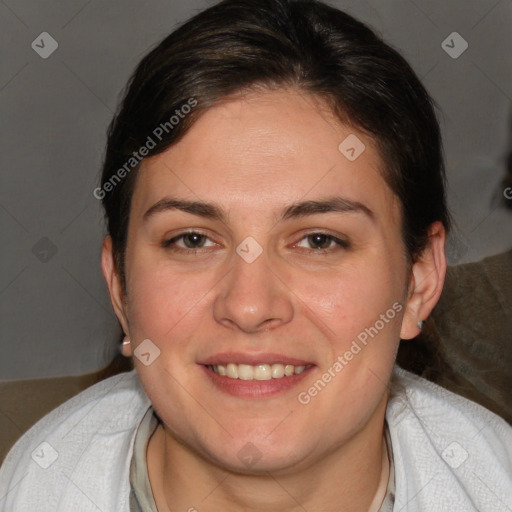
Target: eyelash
x=169, y=244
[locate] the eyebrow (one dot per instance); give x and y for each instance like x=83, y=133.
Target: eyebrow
x=296, y=210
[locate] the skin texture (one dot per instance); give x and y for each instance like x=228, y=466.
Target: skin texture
x=253, y=156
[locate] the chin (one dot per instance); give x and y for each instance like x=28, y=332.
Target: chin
x=256, y=454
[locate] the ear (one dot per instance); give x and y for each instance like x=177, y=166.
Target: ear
x=426, y=282
x=115, y=289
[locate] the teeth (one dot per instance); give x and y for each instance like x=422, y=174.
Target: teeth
x=262, y=372
x=245, y=372
x=232, y=371
x=277, y=371
x=259, y=372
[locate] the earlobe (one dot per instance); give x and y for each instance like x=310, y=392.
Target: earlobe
x=427, y=280
x=126, y=348
x=113, y=281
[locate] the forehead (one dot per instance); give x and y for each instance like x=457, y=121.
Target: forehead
x=264, y=150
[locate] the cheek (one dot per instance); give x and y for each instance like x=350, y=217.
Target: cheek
x=359, y=308
x=352, y=297
x=163, y=302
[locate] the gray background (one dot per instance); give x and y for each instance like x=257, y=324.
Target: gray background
x=55, y=315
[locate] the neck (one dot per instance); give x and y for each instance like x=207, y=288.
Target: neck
x=352, y=477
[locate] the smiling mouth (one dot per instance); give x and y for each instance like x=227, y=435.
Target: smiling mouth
x=261, y=371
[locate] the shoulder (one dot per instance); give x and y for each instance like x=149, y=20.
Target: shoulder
x=78, y=453
x=448, y=451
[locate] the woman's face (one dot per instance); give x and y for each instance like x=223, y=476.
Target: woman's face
x=297, y=260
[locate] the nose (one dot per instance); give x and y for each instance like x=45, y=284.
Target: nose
x=252, y=297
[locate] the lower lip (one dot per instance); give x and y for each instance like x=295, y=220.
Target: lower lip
x=255, y=388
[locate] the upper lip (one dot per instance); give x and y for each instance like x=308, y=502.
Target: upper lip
x=225, y=358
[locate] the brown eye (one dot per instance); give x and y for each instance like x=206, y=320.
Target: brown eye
x=191, y=240
x=319, y=241
x=322, y=242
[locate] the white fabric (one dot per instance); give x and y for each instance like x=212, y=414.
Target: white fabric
x=450, y=454
x=142, y=499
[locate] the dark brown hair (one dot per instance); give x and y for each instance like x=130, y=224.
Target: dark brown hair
x=236, y=45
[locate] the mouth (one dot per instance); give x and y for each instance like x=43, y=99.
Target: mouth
x=262, y=371
x=255, y=376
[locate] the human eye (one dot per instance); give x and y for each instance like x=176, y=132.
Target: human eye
x=320, y=242
x=188, y=242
